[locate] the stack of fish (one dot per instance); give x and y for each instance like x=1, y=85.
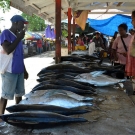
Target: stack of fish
x=42, y=108
x=61, y=92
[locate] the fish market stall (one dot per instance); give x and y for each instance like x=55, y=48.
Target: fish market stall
x=95, y=110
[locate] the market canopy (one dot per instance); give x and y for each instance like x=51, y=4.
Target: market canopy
x=32, y=36
x=110, y=25
x=46, y=8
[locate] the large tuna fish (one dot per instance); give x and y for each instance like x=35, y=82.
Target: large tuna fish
x=49, y=73
x=90, y=57
x=70, y=73
x=77, y=64
x=59, y=96
x=62, y=68
x=56, y=100
x=72, y=58
x=65, y=101
x=66, y=82
x=101, y=80
x=48, y=108
x=57, y=73
x=106, y=68
x=48, y=93
x=68, y=88
x=55, y=76
x=38, y=119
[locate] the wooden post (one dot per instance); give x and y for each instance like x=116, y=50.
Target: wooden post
x=69, y=30
x=74, y=27
x=58, y=31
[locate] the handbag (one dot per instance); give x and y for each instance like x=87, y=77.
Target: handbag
x=132, y=49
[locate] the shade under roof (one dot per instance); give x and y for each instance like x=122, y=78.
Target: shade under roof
x=46, y=8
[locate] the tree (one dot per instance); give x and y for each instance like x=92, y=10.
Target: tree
x=35, y=22
x=64, y=33
x=5, y=5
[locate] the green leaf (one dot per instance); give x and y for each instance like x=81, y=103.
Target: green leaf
x=35, y=22
x=5, y=5
x=64, y=33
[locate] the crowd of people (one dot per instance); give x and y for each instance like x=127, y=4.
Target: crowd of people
x=83, y=39
x=38, y=46
x=120, y=49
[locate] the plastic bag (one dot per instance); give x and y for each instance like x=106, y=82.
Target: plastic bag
x=91, y=48
x=4, y=60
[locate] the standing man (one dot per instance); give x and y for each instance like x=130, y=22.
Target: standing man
x=13, y=77
x=49, y=46
x=39, y=46
x=99, y=44
x=66, y=41
x=43, y=45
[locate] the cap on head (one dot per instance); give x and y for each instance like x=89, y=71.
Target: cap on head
x=18, y=18
x=97, y=32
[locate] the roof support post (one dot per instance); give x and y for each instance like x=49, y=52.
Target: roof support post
x=74, y=27
x=58, y=31
x=69, y=30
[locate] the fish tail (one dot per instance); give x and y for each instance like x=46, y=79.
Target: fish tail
x=123, y=80
x=80, y=120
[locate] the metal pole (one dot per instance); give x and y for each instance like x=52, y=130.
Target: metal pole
x=69, y=30
x=58, y=31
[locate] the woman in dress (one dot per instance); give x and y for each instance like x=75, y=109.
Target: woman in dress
x=130, y=64
x=120, y=47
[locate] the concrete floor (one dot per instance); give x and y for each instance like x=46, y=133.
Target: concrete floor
x=115, y=115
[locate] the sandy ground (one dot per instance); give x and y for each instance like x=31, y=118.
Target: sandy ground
x=115, y=114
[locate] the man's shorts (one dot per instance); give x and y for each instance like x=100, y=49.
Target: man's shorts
x=12, y=84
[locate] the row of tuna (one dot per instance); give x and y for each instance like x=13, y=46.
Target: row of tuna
x=64, y=89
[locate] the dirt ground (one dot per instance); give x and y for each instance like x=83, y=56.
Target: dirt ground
x=64, y=51
x=114, y=114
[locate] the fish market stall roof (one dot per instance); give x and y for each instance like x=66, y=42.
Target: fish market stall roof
x=46, y=9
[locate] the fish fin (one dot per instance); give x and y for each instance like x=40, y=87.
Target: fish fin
x=98, y=73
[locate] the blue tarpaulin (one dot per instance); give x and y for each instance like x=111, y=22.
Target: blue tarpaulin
x=110, y=25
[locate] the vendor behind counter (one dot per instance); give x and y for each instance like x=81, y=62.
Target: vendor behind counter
x=80, y=41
